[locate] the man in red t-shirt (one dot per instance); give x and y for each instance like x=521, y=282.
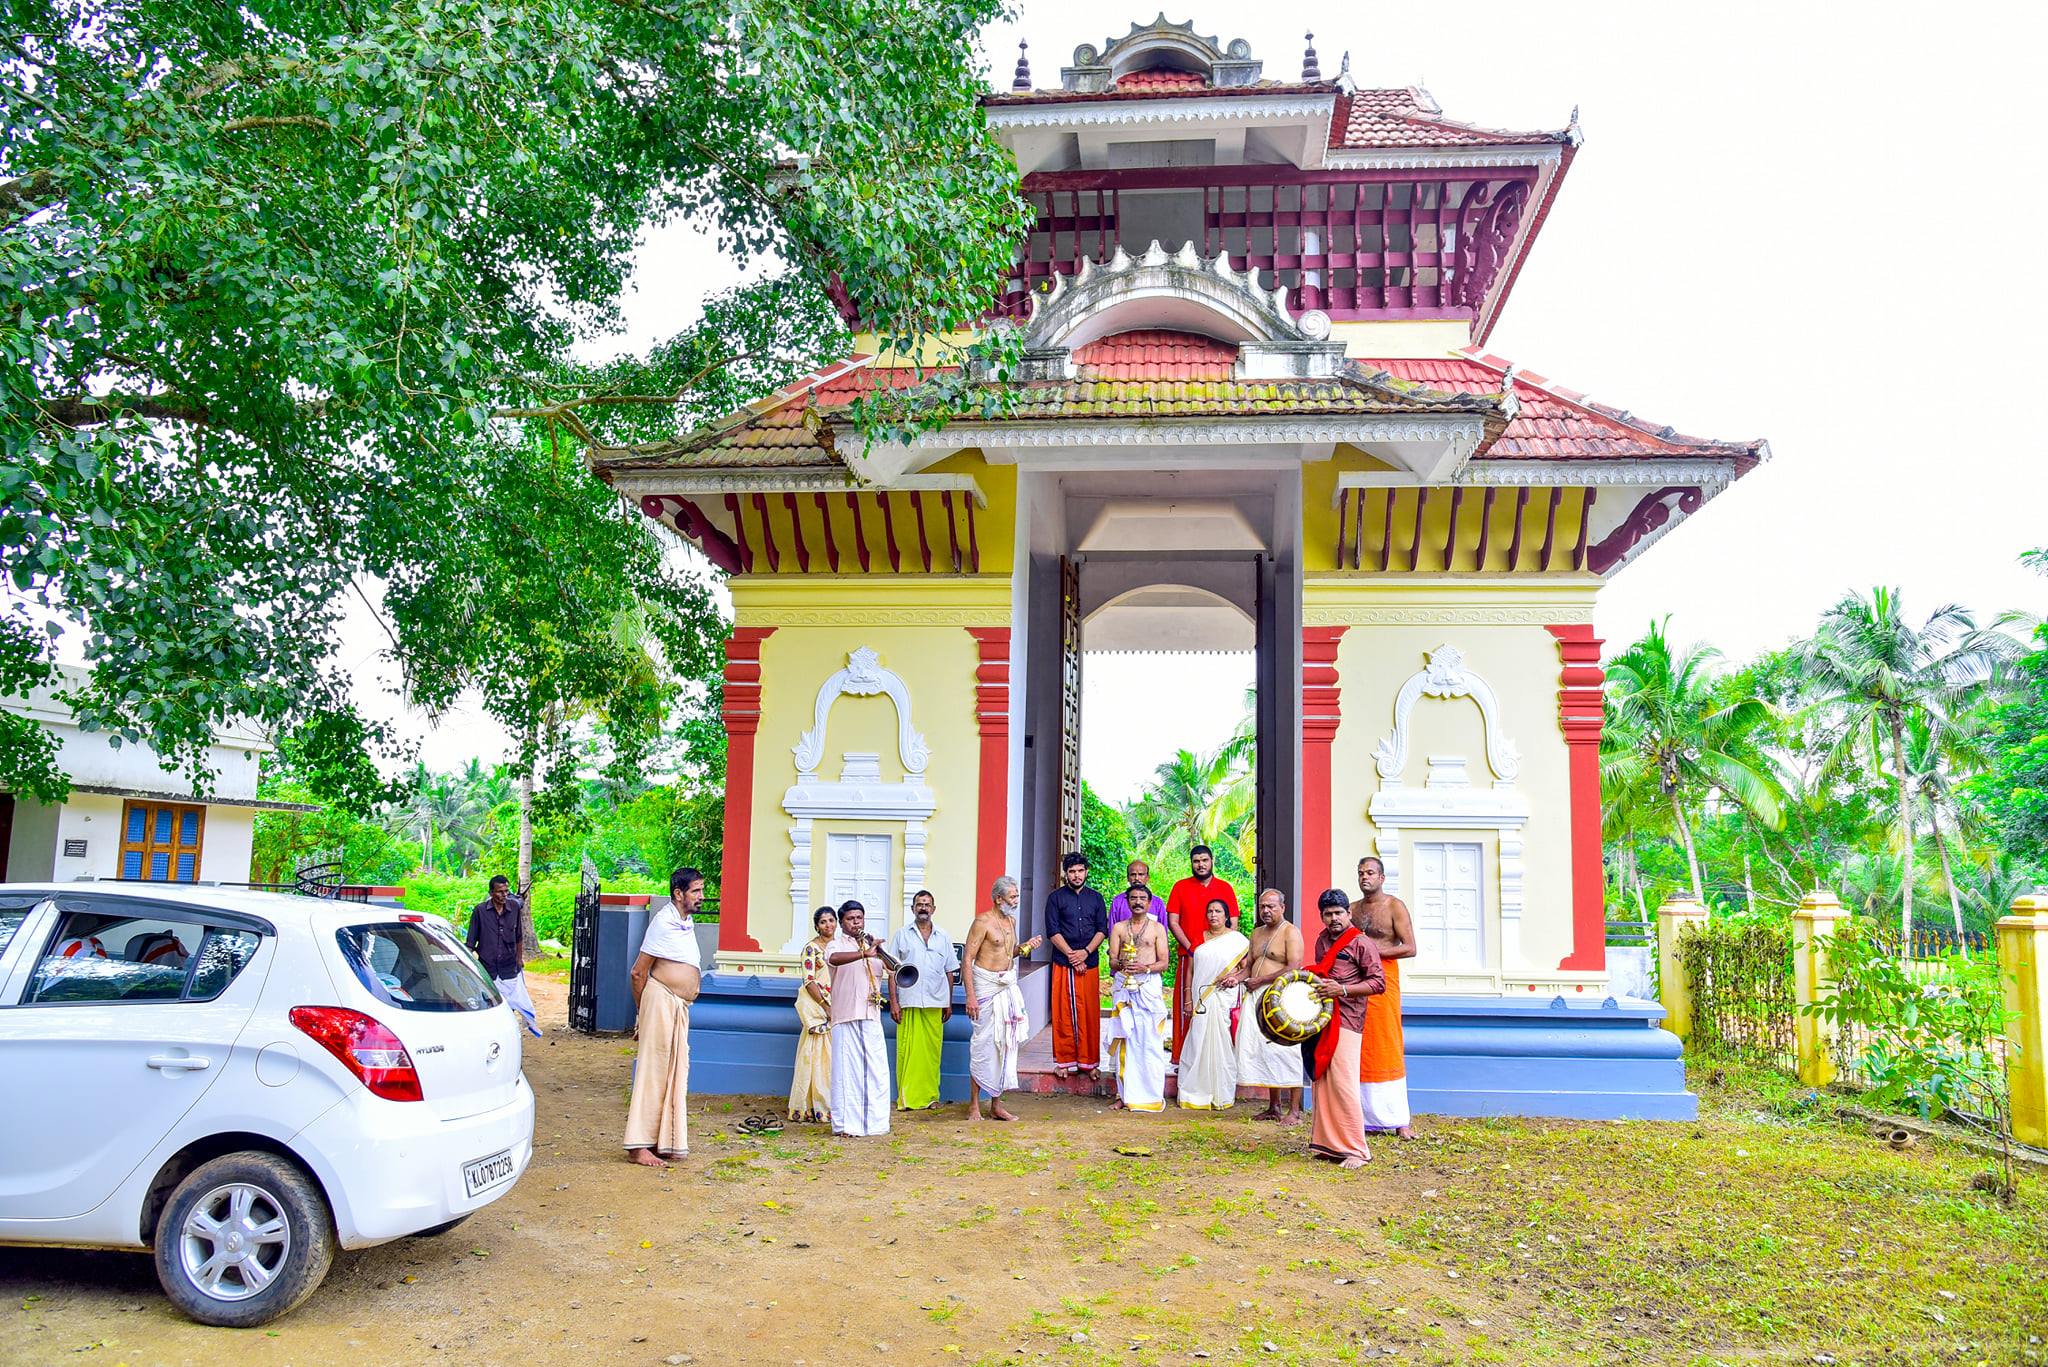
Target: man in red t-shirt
x=1187, y=920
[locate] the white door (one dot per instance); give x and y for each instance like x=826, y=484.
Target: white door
x=857, y=868
x=1449, y=910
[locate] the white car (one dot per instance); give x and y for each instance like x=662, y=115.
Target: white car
x=244, y=1082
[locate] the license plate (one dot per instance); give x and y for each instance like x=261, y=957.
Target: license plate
x=485, y=1173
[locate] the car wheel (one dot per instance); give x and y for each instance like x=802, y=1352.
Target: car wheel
x=440, y=1229
x=243, y=1239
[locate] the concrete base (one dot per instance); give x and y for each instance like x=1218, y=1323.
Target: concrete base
x=1467, y=1056
x=1605, y=1060
x=743, y=1040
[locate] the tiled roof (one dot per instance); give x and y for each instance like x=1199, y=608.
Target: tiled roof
x=792, y=429
x=1169, y=92
x=1404, y=117
x=1160, y=374
x=1555, y=423
x=1162, y=80
x=1409, y=118
x=1224, y=398
x=1154, y=354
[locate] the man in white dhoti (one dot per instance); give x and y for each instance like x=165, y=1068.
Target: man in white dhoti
x=1276, y=949
x=1137, y=1034
x=860, y=1064
x=994, y=1001
x=1208, y=1061
x=665, y=978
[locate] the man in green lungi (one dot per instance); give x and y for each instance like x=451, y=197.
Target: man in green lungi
x=922, y=1009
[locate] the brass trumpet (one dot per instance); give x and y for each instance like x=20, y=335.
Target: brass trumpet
x=906, y=974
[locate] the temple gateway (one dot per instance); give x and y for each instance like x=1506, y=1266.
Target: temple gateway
x=1257, y=414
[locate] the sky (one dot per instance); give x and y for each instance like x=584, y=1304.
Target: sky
x=1808, y=222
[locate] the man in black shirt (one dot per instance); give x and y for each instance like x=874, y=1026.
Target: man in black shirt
x=1076, y=923
x=493, y=937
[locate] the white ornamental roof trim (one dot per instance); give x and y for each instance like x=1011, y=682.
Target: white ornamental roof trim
x=1494, y=156
x=1061, y=318
x=1193, y=111
x=1464, y=432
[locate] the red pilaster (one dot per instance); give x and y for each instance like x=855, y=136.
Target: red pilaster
x=1319, y=717
x=742, y=717
x=992, y=714
x=1580, y=712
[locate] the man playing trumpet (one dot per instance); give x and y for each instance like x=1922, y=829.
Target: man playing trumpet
x=860, y=1065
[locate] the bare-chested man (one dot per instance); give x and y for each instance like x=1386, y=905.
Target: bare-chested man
x=994, y=1002
x=1382, y=1060
x=1276, y=949
x=1137, y=955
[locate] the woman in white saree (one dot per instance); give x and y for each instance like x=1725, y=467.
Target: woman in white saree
x=1208, y=1061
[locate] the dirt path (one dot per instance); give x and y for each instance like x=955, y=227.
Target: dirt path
x=939, y=1243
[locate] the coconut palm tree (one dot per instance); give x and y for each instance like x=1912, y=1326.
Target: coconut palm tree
x=1232, y=815
x=1938, y=752
x=1665, y=724
x=441, y=809
x=1168, y=817
x=1873, y=673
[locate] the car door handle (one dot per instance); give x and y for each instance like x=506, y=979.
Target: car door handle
x=178, y=1063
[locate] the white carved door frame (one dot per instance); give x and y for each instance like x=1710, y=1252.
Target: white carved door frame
x=1447, y=801
x=859, y=794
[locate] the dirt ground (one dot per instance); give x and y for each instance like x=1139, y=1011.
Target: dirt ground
x=1753, y=1236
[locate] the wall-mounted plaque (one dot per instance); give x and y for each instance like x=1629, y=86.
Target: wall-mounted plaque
x=74, y=849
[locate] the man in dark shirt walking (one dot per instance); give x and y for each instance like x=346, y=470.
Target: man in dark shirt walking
x=1076, y=923
x=494, y=927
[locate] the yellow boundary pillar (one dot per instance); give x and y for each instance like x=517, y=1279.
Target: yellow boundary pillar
x=2023, y=967
x=1813, y=980
x=1674, y=990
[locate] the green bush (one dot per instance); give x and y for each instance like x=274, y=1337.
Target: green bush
x=554, y=898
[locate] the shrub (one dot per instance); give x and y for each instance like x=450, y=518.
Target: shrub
x=1925, y=1040
x=1741, y=976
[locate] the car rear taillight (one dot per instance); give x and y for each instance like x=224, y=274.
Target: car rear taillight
x=365, y=1047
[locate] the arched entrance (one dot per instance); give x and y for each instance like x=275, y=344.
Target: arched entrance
x=1186, y=570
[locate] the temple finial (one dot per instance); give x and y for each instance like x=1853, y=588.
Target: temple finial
x=1022, y=80
x=1310, y=71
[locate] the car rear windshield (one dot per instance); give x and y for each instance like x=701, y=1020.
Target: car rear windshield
x=410, y=967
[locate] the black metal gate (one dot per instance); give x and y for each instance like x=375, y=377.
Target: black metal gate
x=583, y=954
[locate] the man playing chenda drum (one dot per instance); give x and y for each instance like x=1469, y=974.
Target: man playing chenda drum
x=1276, y=949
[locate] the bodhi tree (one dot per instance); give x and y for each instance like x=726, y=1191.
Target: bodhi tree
x=292, y=286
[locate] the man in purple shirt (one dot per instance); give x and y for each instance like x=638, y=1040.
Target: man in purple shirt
x=1120, y=909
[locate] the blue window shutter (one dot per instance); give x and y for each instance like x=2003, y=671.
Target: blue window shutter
x=160, y=866
x=131, y=864
x=138, y=824
x=163, y=826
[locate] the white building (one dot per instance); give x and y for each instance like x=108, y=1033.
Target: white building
x=127, y=816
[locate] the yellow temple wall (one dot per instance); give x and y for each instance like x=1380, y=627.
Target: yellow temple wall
x=917, y=628
x=1499, y=629
x=1389, y=339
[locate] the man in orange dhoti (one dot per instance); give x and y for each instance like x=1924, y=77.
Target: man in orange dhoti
x=1187, y=921
x=1077, y=922
x=1382, y=1052
x=1348, y=973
